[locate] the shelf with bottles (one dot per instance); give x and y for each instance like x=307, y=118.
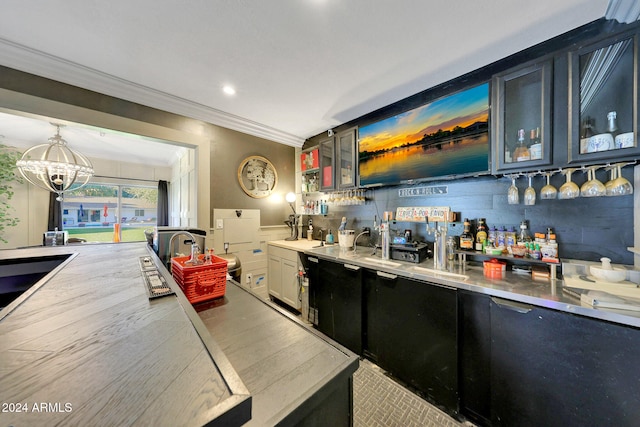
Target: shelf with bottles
x=603, y=112
x=522, y=125
x=315, y=207
x=517, y=247
x=310, y=182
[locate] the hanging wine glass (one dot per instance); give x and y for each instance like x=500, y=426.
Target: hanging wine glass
x=569, y=189
x=361, y=197
x=548, y=191
x=609, y=184
x=621, y=185
x=530, y=193
x=593, y=187
x=513, y=198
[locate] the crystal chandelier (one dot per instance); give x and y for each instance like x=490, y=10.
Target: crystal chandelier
x=55, y=167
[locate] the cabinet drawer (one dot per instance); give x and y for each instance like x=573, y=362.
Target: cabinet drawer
x=287, y=254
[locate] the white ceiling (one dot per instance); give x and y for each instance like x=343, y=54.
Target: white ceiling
x=300, y=67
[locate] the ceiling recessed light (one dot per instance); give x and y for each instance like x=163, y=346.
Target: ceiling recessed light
x=229, y=90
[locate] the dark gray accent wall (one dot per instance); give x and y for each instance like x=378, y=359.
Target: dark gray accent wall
x=586, y=228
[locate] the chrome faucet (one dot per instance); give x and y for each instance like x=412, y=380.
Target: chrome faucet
x=355, y=241
x=195, y=249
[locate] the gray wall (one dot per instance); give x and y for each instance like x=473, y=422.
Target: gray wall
x=586, y=228
x=228, y=149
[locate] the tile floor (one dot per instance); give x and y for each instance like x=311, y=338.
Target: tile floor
x=379, y=401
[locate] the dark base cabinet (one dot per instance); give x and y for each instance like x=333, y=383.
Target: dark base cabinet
x=523, y=365
x=474, y=331
x=551, y=368
x=338, y=297
x=410, y=331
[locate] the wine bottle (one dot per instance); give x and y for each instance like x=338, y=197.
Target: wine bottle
x=521, y=152
x=612, y=125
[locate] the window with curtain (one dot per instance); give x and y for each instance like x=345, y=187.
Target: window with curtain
x=91, y=212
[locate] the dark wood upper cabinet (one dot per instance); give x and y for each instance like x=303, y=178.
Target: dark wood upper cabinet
x=522, y=117
x=346, y=159
x=603, y=101
x=327, y=164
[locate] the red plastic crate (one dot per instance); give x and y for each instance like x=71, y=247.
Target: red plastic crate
x=201, y=282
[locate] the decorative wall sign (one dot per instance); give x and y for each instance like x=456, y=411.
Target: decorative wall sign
x=423, y=191
x=418, y=214
x=257, y=176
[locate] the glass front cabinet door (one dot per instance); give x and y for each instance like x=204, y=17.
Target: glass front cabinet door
x=309, y=166
x=603, y=92
x=346, y=159
x=327, y=164
x=522, y=125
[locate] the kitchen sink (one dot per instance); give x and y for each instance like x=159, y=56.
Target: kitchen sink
x=434, y=272
x=382, y=262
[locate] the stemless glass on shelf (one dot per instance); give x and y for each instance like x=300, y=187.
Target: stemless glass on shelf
x=568, y=190
x=513, y=198
x=530, y=193
x=548, y=191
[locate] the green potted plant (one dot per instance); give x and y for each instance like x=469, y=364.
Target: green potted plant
x=8, y=176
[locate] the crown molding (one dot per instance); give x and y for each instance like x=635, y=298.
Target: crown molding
x=45, y=65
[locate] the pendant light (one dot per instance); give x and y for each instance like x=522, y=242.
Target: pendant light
x=55, y=167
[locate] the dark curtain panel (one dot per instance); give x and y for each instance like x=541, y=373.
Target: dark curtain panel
x=55, y=213
x=163, y=203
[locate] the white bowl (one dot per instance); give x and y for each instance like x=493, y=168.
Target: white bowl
x=614, y=275
x=624, y=140
x=600, y=142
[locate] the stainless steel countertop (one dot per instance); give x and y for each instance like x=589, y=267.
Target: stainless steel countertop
x=514, y=287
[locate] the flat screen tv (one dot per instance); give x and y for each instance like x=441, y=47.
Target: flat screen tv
x=447, y=137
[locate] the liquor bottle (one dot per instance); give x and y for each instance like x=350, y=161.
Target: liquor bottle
x=535, y=147
x=612, y=128
x=521, y=152
x=588, y=130
x=481, y=234
x=612, y=125
x=466, y=238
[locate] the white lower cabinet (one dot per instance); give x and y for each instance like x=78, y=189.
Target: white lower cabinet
x=283, y=276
